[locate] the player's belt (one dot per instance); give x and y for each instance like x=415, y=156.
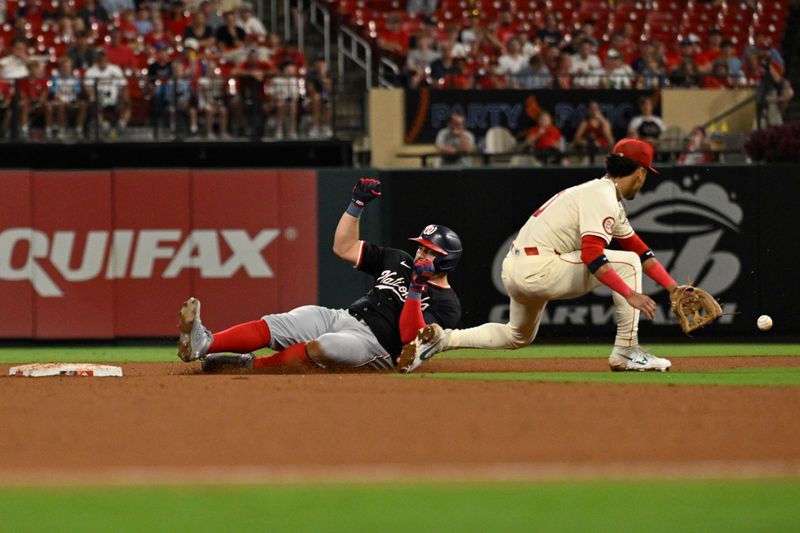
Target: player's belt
x=534, y=250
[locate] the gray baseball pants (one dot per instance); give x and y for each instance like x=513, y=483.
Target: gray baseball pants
x=344, y=339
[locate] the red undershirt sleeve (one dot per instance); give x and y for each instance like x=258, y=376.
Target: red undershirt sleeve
x=411, y=320
x=633, y=244
x=593, y=256
x=592, y=248
x=654, y=269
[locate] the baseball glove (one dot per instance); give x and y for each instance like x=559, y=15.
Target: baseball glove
x=694, y=307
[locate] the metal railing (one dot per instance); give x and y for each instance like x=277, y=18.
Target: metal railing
x=387, y=65
x=358, y=50
x=143, y=109
x=287, y=20
x=528, y=158
x=319, y=18
x=483, y=79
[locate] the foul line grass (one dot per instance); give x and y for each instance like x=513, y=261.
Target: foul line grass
x=610, y=506
x=766, y=377
x=150, y=354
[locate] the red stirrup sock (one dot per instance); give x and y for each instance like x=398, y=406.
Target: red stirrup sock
x=242, y=338
x=295, y=356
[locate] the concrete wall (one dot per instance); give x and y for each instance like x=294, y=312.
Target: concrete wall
x=688, y=108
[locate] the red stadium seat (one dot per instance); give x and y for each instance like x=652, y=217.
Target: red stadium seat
x=675, y=7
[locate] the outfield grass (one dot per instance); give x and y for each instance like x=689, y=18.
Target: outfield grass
x=767, y=377
x=655, y=506
x=145, y=354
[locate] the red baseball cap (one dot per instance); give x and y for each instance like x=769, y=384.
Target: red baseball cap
x=637, y=151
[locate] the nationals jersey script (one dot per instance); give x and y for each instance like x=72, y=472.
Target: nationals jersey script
x=380, y=308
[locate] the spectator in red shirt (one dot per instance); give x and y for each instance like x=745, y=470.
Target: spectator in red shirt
x=127, y=26
x=485, y=45
x=33, y=99
x=594, y=133
x=392, y=38
x=673, y=55
x=706, y=58
x=289, y=53
x=157, y=37
x=546, y=140
x=459, y=78
x=505, y=27
x=490, y=77
x=719, y=78
x=177, y=18
x=621, y=44
x=119, y=53
x=250, y=97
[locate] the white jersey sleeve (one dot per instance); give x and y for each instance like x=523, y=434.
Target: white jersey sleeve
x=598, y=210
x=622, y=228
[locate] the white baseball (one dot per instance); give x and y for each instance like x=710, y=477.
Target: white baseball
x=764, y=322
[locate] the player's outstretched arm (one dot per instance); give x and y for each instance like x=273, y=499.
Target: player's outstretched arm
x=650, y=265
x=593, y=256
x=346, y=243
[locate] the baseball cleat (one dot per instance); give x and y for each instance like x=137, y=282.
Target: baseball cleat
x=637, y=359
x=195, y=340
x=429, y=341
x=220, y=362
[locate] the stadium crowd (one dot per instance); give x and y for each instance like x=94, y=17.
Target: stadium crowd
x=204, y=69
x=209, y=68
x=510, y=47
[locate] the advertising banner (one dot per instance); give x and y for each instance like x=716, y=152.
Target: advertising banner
x=427, y=111
x=706, y=224
x=72, y=224
x=114, y=254
x=16, y=271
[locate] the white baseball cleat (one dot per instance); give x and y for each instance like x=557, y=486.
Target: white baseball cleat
x=636, y=358
x=429, y=341
x=195, y=340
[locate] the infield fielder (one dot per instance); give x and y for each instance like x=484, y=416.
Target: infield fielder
x=560, y=253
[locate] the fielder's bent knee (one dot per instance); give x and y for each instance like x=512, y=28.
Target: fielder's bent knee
x=519, y=339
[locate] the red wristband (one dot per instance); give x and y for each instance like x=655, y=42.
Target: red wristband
x=659, y=274
x=612, y=279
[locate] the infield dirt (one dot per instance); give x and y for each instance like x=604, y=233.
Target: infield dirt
x=166, y=422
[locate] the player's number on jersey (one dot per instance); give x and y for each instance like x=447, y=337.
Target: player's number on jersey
x=547, y=204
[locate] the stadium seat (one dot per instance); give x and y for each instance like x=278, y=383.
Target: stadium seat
x=499, y=140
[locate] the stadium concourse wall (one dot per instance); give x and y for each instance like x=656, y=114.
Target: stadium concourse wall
x=409, y=119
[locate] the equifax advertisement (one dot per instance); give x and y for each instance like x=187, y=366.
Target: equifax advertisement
x=103, y=254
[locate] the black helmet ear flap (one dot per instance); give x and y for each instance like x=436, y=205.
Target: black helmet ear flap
x=445, y=242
